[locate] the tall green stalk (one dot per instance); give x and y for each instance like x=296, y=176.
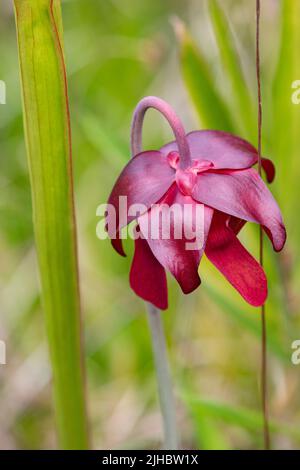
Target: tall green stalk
x=48, y=140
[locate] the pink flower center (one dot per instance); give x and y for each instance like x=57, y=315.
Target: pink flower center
x=186, y=179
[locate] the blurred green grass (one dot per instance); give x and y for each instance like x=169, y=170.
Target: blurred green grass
x=117, y=52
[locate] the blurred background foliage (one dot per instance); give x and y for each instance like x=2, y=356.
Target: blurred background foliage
x=202, y=60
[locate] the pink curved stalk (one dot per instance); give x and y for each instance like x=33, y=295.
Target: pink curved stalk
x=168, y=112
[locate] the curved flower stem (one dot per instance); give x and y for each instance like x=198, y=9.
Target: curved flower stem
x=165, y=109
x=166, y=397
x=163, y=377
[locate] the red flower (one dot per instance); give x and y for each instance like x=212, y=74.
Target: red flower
x=207, y=167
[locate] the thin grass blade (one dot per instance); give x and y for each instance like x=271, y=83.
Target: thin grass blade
x=233, y=69
x=212, y=110
x=286, y=110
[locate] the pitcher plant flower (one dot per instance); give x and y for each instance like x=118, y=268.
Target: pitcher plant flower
x=208, y=167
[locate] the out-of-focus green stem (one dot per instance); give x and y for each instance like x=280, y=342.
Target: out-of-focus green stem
x=213, y=111
x=48, y=139
x=231, y=62
x=164, y=382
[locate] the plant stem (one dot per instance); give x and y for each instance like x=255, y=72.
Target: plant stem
x=264, y=391
x=163, y=377
x=166, y=398
x=48, y=141
x=168, y=112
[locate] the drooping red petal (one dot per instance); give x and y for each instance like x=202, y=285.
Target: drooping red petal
x=144, y=180
x=170, y=251
x=147, y=276
x=269, y=168
x=229, y=256
x=224, y=150
x=236, y=224
x=244, y=195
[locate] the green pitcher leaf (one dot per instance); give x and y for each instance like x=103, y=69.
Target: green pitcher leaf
x=48, y=140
